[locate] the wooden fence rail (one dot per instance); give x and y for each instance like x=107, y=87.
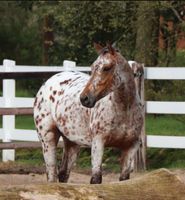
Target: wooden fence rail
x=24, y=145
x=16, y=111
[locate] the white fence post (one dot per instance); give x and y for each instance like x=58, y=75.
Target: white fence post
x=68, y=65
x=8, y=121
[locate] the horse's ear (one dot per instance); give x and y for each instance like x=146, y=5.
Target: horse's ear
x=110, y=48
x=114, y=45
x=98, y=47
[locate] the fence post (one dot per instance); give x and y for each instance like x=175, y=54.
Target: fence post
x=8, y=121
x=140, y=158
x=68, y=65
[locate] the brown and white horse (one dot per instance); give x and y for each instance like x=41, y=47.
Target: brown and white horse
x=99, y=111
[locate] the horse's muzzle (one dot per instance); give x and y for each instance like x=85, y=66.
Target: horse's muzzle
x=87, y=100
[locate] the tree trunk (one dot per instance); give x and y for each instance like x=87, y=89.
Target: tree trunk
x=48, y=38
x=146, y=52
x=147, y=33
x=158, y=185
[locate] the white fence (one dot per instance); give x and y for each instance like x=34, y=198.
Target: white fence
x=8, y=100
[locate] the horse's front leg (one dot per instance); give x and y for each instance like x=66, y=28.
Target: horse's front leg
x=127, y=159
x=96, y=159
x=70, y=153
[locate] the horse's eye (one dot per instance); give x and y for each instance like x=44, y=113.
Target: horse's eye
x=106, y=68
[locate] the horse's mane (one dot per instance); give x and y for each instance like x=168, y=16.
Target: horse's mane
x=106, y=50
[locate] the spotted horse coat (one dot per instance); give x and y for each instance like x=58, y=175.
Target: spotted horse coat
x=99, y=111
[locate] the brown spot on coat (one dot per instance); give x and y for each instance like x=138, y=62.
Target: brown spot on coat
x=35, y=102
x=52, y=98
x=65, y=82
x=61, y=92
x=39, y=104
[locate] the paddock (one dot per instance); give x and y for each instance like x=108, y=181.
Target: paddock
x=12, y=105
x=13, y=139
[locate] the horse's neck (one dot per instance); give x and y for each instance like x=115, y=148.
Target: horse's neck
x=125, y=95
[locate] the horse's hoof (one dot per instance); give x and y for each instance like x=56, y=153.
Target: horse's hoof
x=125, y=177
x=63, y=178
x=96, y=179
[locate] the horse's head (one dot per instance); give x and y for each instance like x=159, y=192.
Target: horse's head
x=107, y=75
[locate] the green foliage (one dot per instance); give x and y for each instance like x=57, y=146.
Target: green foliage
x=75, y=25
x=30, y=157
x=167, y=158
x=19, y=34
x=162, y=90
x=78, y=24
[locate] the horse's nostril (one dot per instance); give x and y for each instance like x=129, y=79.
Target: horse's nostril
x=87, y=100
x=84, y=99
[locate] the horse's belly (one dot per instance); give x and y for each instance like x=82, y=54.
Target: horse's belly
x=123, y=141
x=74, y=124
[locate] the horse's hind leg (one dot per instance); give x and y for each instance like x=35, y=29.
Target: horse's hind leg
x=127, y=161
x=70, y=153
x=49, y=146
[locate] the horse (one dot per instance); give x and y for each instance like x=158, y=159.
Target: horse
x=97, y=111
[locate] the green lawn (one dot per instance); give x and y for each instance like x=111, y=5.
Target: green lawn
x=24, y=122
x=165, y=125
x=156, y=158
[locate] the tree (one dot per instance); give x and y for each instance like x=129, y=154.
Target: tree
x=76, y=25
x=147, y=33
x=172, y=25
x=19, y=35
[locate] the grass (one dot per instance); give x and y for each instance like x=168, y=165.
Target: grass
x=24, y=122
x=156, y=158
x=168, y=158
x=165, y=125
x=171, y=125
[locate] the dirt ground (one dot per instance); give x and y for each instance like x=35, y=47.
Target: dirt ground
x=15, y=175
x=19, y=179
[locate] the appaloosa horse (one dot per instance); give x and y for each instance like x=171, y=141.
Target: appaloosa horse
x=99, y=111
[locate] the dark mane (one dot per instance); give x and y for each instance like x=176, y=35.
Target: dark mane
x=106, y=50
